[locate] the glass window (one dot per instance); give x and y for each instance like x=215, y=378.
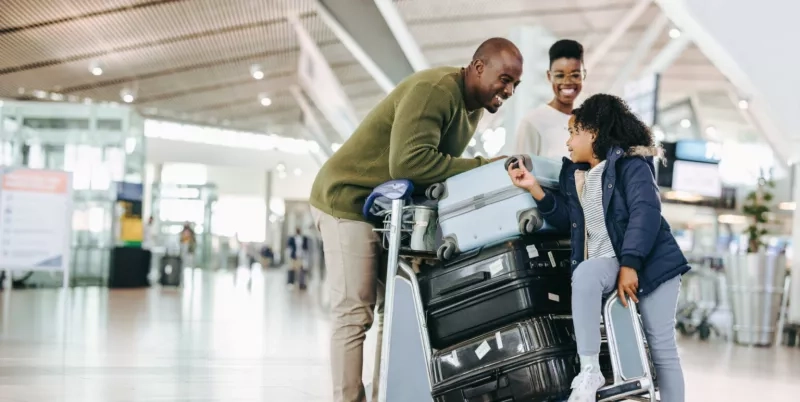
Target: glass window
x=184, y=173
x=245, y=217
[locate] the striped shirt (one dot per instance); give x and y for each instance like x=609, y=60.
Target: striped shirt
x=598, y=242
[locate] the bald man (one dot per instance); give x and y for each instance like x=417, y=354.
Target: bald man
x=418, y=133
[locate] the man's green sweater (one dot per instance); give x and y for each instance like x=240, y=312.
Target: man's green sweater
x=417, y=132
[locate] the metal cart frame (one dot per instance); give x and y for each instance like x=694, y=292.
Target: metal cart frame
x=405, y=371
x=405, y=368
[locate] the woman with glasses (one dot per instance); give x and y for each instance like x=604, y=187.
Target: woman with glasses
x=543, y=130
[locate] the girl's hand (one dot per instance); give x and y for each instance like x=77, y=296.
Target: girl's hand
x=523, y=179
x=627, y=284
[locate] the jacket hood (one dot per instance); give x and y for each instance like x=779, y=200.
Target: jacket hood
x=645, y=151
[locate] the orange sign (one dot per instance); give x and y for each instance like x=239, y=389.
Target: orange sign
x=36, y=181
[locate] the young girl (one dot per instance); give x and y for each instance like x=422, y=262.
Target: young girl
x=609, y=201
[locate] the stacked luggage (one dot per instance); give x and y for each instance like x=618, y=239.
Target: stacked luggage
x=497, y=301
x=498, y=305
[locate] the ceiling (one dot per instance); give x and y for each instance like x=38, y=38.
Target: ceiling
x=190, y=60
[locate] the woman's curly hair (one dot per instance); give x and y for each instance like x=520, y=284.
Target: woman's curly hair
x=611, y=120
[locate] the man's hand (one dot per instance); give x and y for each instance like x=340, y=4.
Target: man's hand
x=627, y=284
x=498, y=158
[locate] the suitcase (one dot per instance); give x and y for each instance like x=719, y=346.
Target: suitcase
x=301, y=280
x=170, y=271
x=488, y=289
x=532, y=360
x=482, y=207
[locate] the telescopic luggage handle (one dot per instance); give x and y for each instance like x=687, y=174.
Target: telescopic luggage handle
x=516, y=159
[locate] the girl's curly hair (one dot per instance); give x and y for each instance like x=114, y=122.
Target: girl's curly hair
x=611, y=120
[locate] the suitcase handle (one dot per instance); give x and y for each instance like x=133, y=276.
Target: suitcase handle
x=464, y=256
x=466, y=281
x=494, y=383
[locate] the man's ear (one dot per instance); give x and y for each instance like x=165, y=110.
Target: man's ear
x=549, y=78
x=479, y=66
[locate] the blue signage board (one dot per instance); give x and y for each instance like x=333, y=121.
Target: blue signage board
x=698, y=151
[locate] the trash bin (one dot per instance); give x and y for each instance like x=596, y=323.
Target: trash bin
x=755, y=284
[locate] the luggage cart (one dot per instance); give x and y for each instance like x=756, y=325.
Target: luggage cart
x=700, y=299
x=405, y=367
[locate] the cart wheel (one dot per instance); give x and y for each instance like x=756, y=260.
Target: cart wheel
x=447, y=250
x=681, y=327
x=435, y=191
x=704, y=332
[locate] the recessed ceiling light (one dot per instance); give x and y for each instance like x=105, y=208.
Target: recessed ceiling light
x=280, y=167
x=264, y=99
x=127, y=95
x=674, y=33
x=95, y=68
x=685, y=123
x=256, y=72
x=743, y=104
x=298, y=172
x=711, y=130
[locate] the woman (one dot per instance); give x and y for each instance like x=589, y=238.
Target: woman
x=609, y=201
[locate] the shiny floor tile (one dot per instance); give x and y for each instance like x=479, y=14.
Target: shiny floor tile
x=237, y=336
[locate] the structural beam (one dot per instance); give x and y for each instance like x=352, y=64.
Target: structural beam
x=376, y=35
x=667, y=55
x=629, y=19
x=640, y=51
x=312, y=128
x=402, y=34
x=317, y=79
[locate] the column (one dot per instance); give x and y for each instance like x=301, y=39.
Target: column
x=794, y=291
x=267, y=197
x=534, y=42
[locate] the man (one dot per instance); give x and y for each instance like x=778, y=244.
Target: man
x=543, y=131
x=417, y=132
x=298, y=248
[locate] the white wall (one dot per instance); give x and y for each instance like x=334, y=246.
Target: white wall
x=239, y=171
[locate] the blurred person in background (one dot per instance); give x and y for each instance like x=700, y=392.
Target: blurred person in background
x=298, y=249
x=417, y=132
x=150, y=238
x=544, y=130
x=188, y=245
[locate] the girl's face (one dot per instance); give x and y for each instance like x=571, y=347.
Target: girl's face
x=580, y=143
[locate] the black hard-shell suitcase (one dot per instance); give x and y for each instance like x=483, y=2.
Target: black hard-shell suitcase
x=532, y=360
x=170, y=270
x=488, y=289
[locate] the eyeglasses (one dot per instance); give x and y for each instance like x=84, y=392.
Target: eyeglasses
x=557, y=77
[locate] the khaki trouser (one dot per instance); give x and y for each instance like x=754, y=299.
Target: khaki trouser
x=355, y=271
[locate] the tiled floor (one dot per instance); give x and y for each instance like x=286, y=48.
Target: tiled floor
x=224, y=337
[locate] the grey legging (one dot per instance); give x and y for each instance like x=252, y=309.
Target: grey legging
x=597, y=277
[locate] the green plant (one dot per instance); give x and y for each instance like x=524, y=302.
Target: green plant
x=756, y=207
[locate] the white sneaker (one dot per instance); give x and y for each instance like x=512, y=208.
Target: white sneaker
x=585, y=386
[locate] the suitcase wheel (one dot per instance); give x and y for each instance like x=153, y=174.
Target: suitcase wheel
x=447, y=250
x=435, y=191
x=530, y=222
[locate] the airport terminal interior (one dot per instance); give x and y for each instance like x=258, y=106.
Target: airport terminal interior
x=157, y=241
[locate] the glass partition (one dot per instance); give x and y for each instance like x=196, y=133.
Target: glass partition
x=100, y=144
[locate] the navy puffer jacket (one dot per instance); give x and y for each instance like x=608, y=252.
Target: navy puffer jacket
x=641, y=237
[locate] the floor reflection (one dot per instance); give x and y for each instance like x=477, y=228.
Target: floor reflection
x=244, y=336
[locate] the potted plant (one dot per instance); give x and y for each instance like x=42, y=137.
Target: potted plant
x=756, y=209
x=755, y=277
